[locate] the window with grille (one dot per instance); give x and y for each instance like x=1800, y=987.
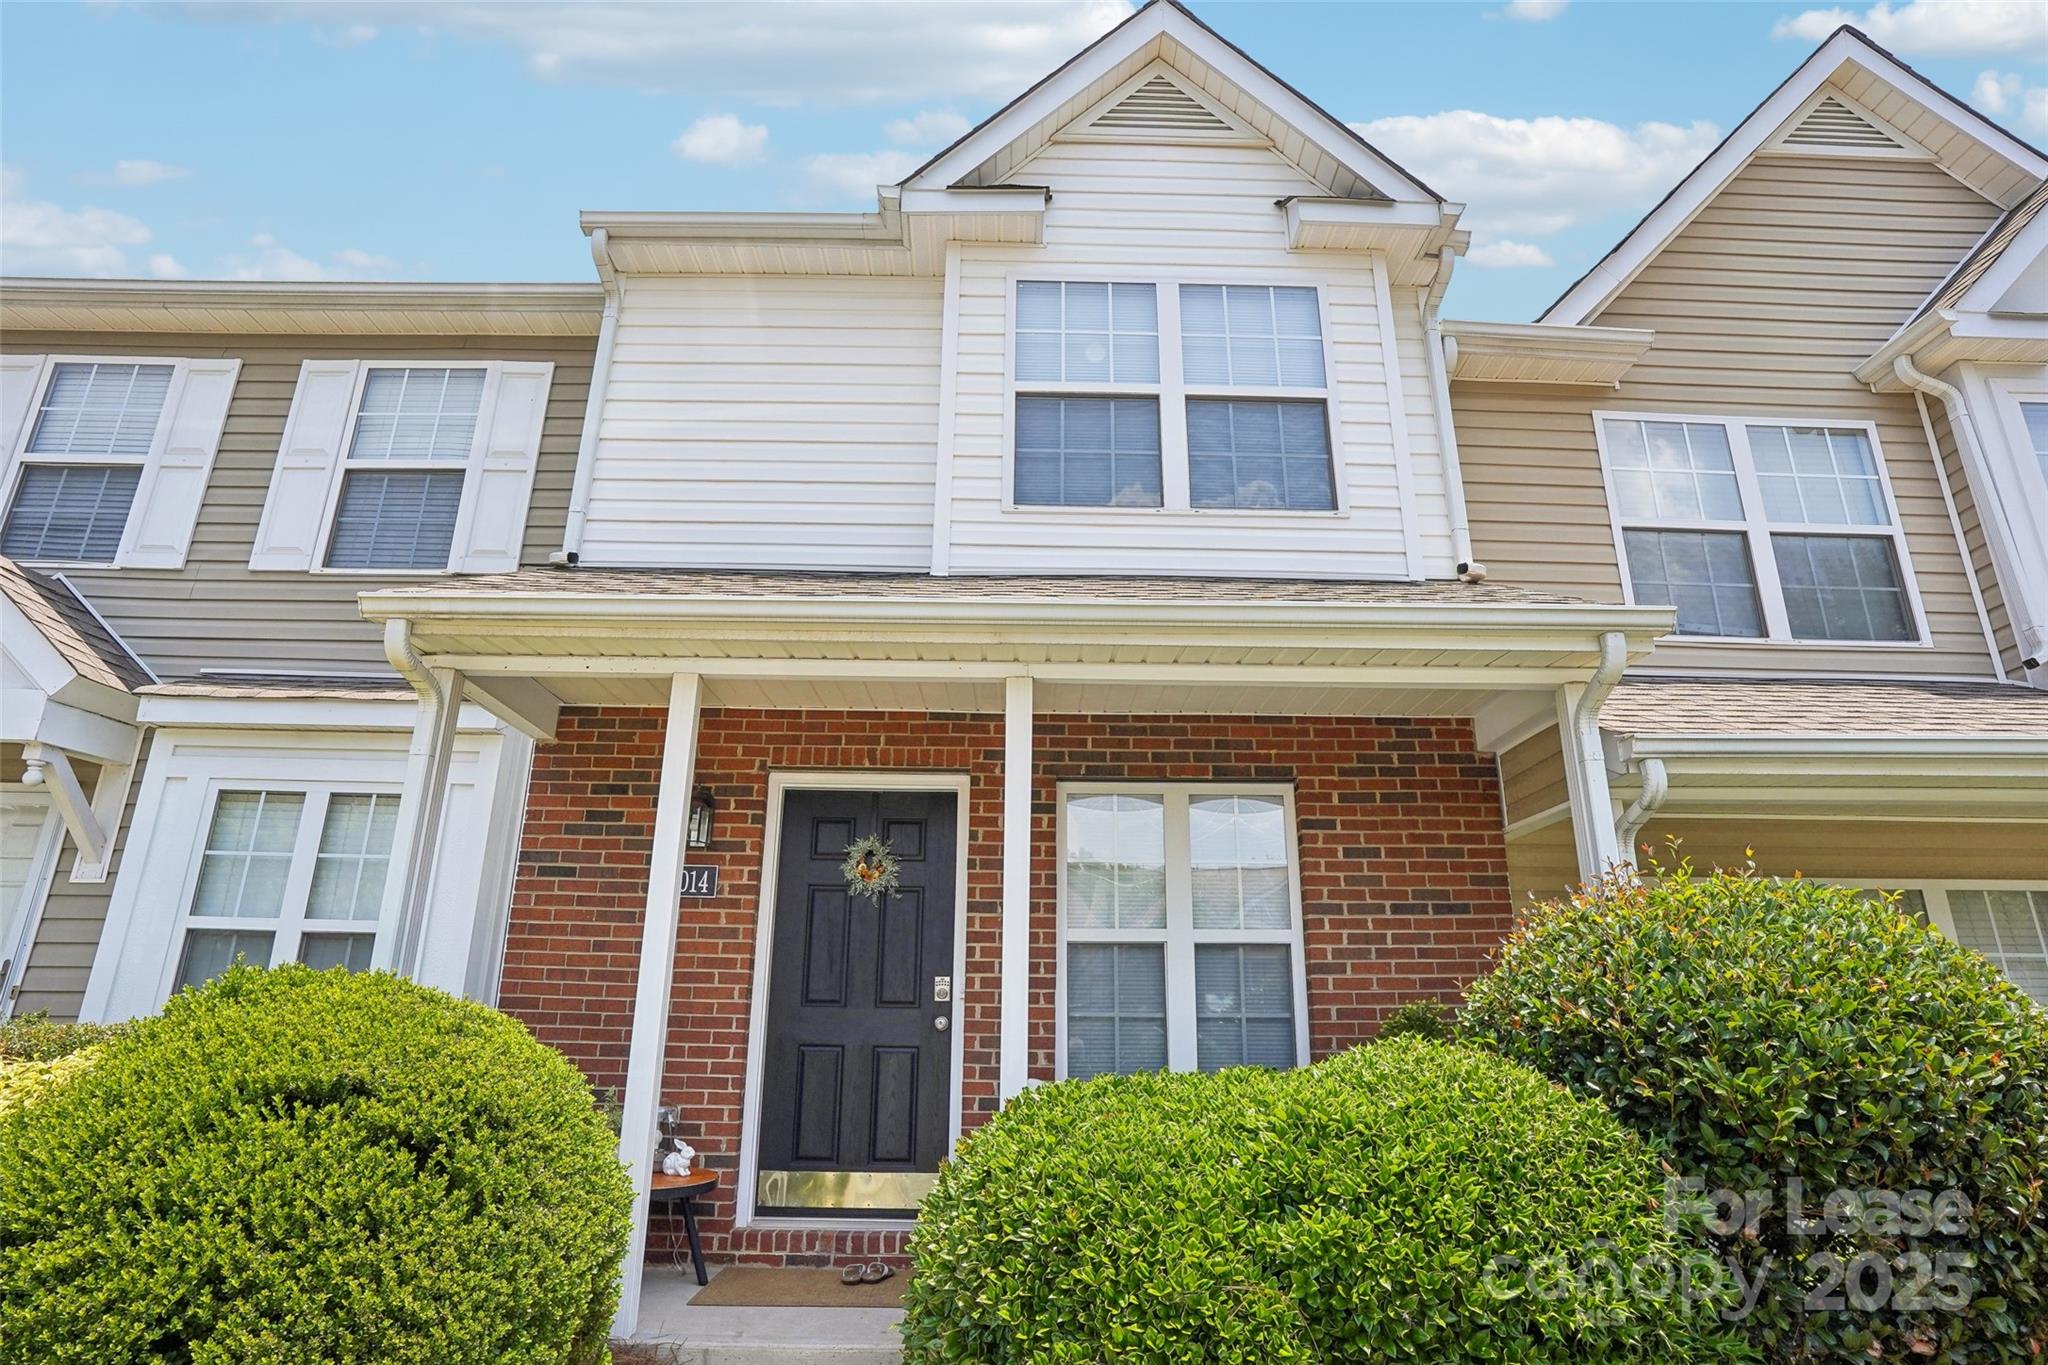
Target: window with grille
x=288, y=875
x=1759, y=530
x=1180, y=931
x=409, y=448
x=94, y=429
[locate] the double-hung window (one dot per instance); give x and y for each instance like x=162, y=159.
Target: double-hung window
x=1762, y=530
x=408, y=453
x=287, y=875
x=1180, y=932
x=1181, y=396
x=91, y=435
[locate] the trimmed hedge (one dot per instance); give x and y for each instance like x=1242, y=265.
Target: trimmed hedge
x=1350, y=1211
x=291, y=1165
x=1758, y=1029
x=39, y=1038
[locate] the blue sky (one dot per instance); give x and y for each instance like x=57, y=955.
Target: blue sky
x=456, y=141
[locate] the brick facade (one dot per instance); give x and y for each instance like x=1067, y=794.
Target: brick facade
x=1403, y=879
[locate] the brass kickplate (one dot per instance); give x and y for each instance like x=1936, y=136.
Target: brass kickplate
x=882, y=1190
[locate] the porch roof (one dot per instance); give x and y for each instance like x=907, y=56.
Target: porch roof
x=1829, y=708
x=73, y=629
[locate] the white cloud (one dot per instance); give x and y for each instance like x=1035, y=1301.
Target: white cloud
x=1936, y=28
x=841, y=176
x=1532, y=11
x=273, y=260
x=138, y=172
x=1507, y=255
x=2007, y=96
x=800, y=52
x=39, y=237
x=926, y=128
x=722, y=140
x=164, y=266
x=1536, y=176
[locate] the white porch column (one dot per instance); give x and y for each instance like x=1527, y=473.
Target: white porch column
x=409, y=882
x=1014, y=1001
x=648, y=1049
x=1585, y=775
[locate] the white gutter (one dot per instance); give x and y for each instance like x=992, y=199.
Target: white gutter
x=1433, y=343
x=593, y=405
x=1656, y=786
x=2029, y=622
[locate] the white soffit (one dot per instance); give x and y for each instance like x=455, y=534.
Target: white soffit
x=300, y=308
x=1864, y=79
x=1541, y=353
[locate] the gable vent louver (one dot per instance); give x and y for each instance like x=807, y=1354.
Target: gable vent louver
x=1161, y=108
x=1832, y=123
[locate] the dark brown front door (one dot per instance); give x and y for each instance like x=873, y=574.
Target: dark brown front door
x=857, y=1078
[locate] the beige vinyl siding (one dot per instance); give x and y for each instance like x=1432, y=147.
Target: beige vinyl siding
x=1197, y=213
x=1532, y=776
x=215, y=613
x=769, y=422
x=68, y=934
x=1762, y=307
x=1543, y=863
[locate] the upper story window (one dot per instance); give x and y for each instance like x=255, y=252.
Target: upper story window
x=92, y=441
x=405, y=466
x=1760, y=530
x=1204, y=396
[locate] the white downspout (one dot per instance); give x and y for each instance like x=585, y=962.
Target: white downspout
x=2028, y=622
x=1433, y=354
x=1593, y=830
x=1656, y=786
x=593, y=406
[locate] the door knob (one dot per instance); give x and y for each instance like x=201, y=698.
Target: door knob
x=942, y=1023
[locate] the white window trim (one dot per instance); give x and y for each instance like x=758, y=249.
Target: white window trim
x=1757, y=529
x=2007, y=393
x=1180, y=936
x=471, y=469
x=19, y=458
x=35, y=896
x=291, y=924
x=1172, y=391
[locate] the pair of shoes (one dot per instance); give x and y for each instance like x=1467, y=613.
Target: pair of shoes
x=874, y=1272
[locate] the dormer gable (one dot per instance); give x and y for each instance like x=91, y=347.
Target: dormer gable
x=1156, y=106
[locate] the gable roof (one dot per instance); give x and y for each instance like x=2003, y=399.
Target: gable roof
x=73, y=629
x=1210, y=66
x=1987, y=253
x=2005, y=163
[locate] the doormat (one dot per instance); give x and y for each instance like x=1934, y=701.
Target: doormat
x=749, y=1286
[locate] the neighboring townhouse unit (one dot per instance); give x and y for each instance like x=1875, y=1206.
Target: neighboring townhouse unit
x=202, y=742
x=1806, y=401
x=1220, y=641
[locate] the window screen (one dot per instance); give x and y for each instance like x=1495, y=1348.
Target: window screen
x=1705, y=574
x=1087, y=452
x=1842, y=588
x=73, y=512
x=1244, y=1006
x=417, y=414
x=94, y=409
x=395, y=520
x=1259, y=454
x=1116, y=1008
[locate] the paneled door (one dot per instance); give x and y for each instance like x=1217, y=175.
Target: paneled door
x=857, y=1089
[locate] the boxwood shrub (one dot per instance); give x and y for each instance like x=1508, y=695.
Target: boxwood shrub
x=1759, y=1030
x=292, y=1166
x=1351, y=1211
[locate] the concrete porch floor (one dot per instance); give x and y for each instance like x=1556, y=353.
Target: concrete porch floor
x=673, y=1332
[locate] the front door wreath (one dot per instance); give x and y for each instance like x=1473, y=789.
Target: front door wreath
x=870, y=869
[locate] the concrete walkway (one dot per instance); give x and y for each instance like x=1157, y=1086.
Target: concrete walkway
x=685, y=1335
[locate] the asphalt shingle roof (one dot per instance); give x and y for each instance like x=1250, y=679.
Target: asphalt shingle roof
x=1848, y=707
x=94, y=652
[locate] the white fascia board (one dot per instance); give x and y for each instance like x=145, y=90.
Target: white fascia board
x=1307, y=212
x=32, y=651
x=838, y=228
x=1026, y=200
x=31, y=717
x=263, y=713
x=2019, y=253
x=1699, y=187
x=1153, y=21
x=2022, y=753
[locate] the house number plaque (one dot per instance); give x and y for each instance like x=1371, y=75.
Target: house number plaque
x=699, y=882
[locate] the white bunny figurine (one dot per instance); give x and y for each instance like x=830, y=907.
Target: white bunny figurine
x=678, y=1161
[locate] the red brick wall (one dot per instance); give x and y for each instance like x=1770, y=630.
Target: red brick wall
x=1403, y=866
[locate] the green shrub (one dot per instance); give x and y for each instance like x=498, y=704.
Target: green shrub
x=1758, y=1029
x=293, y=1166
x=1350, y=1211
x=23, y=1081
x=38, y=1038
x=1419, y=1019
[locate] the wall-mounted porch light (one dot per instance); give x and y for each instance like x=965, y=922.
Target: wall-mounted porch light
x=701, y=807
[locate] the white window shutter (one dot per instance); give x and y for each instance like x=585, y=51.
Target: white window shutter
x=19, y=376
x=493, y=527
x=315, y=432
x=174, y=482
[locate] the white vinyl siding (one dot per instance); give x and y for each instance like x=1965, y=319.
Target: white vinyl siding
x=108, y=458
x=784, y=422
x=1118, y=212
x=1761, y=528
x=1179, y=929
